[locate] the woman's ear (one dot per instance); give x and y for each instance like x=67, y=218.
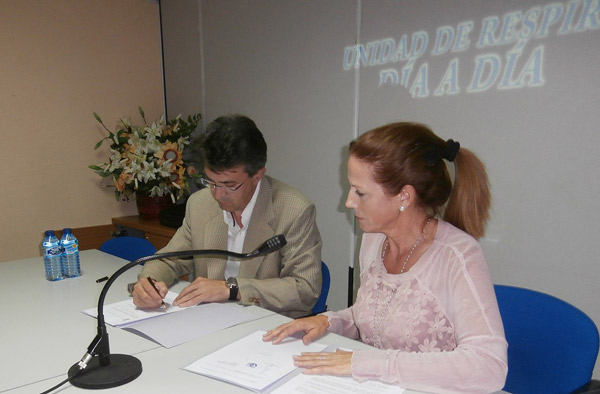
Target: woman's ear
x=406, y=196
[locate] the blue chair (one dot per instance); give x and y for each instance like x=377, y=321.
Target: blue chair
x=128, y=248
x=321, y=305
x=552, y=345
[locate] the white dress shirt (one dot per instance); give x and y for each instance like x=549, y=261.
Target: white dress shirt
x=237, y=235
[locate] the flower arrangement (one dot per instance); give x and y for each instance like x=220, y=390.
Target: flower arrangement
x=148, y=159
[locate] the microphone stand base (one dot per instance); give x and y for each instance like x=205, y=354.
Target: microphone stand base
x=122, y=369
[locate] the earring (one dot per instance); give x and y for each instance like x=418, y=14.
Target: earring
x=402, y=208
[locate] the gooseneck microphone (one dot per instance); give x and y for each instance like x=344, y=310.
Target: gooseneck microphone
x=98, y=369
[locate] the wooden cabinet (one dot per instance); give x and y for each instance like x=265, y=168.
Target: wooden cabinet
x=91, y=237
x=152, y=230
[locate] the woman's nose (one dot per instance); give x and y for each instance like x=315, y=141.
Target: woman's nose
x=349, y=203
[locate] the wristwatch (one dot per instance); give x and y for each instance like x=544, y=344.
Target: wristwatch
x=130, y=287
x=233, y=288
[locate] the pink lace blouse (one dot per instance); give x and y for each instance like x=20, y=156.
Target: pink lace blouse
x=435, y=328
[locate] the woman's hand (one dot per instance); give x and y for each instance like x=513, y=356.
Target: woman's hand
x=313, y=327
x=338, y=363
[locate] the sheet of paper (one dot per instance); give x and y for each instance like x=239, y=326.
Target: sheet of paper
x=123, y=313
x=194, y=322
x=324, y=384
x=251, y=363
x=174, y=325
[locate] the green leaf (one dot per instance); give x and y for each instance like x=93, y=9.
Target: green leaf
x=100, y=121
x=98, y=118
x=100, y=171
x=142, y=114
x=98, y=144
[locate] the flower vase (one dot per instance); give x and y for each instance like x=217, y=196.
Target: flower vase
x=149, y=207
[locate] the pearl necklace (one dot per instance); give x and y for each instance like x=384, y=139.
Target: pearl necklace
x=382, y=308
x=408, y=256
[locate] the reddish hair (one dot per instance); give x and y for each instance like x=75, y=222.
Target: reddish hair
x=407, y=153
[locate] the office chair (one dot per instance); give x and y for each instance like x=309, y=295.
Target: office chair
x=128, y=248
x=552, y=345
x=321, y=306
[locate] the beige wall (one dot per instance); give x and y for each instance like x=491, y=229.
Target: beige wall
x=61, y=61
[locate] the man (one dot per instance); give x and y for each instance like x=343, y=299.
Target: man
x=238, y=210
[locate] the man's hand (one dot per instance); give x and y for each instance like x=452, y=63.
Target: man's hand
x=203, y=290
x=145, y=296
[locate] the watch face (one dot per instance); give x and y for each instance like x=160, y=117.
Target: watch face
x=232, y=282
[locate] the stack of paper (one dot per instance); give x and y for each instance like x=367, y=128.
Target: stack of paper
x=324, y=384
x=123, y=313
x=267, y=368
x=173, y=325
x=251, y=363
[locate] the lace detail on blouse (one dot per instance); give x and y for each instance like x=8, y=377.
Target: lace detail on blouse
x=394, y=312
x=438, y=324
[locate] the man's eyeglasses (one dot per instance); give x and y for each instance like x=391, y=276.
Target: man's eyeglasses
x=213, y=185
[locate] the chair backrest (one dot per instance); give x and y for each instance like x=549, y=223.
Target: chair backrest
x=552, y=345
x=128, y=248
x=321, y=305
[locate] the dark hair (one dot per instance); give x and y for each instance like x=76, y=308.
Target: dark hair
x=233, y=140
x=407, y=153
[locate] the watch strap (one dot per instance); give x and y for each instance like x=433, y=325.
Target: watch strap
x=233, y=292
x=233, y=288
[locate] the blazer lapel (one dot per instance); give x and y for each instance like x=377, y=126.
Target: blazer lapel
x=259, y=229
x=216, y=238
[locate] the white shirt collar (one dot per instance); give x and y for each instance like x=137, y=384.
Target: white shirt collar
x=246, y=213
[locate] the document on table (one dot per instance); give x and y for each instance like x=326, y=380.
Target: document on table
x=195, y=322
x=174, y=325
x=125, y=312
x=326, y=384
x=251, y=363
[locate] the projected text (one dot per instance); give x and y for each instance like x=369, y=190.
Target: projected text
x=509, y=50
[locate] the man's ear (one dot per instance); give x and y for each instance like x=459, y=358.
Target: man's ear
x=260, y=173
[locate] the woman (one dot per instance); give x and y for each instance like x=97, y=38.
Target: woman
x=426, y=301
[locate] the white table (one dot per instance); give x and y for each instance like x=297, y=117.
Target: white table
x=43, y=332
x=162, y=367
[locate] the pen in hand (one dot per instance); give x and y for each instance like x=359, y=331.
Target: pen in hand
x=162, y=302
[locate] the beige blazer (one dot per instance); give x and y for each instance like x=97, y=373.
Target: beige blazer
x=287, y=281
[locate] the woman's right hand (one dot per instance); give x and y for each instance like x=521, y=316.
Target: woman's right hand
x=313, y=327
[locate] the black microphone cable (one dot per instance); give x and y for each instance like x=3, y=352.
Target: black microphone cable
x=271, y=245
x=64, y=381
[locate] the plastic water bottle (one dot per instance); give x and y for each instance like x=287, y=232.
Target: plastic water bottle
x=70, y=254
x=52, y=251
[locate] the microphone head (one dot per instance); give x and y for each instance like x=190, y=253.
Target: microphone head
x=271, y=245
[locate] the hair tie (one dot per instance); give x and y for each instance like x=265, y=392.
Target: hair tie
x=451, y=150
